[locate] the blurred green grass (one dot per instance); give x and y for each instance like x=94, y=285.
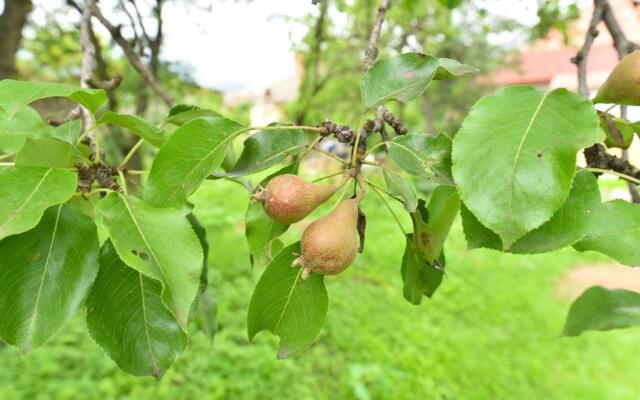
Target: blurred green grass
x=492, y=331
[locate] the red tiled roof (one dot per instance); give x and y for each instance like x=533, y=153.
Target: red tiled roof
x=548, y=61
x=541, y=67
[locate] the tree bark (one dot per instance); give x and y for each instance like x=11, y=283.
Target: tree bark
x=12, y=21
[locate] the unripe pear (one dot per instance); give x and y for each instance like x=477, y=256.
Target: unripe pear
x=623, y=84
x=330, y=244
x=289, y=198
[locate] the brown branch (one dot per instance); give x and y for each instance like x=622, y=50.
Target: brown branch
x=620, y=41
x=583, y=54
x=597, y=157
x=133, y=58
x=371, y=53
x=88, y=60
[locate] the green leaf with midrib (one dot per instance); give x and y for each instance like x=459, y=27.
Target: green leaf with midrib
x=525, y=142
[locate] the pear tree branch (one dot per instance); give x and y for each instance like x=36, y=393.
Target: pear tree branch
x=133, y=58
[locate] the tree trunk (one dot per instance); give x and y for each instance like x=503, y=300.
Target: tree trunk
x=12, y=21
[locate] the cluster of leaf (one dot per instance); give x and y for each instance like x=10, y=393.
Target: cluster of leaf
x=510, y=172
x=138, y=263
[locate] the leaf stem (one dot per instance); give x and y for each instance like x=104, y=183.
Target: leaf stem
x=285, y=128
x=616, y=173
x=388, y=208
x=137, y=172
x=309, y=147
x=374, y=147
x=327, y=177
x=368, y=182
x=5, y=156
x=124, y=182
x=611, y=107
x=344, y=162
x=131, y=153
x=6, y=164
x=344, y=190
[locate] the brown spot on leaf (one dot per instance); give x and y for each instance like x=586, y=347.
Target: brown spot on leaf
x=409, y=75
x=424, y=239
x=539, y=153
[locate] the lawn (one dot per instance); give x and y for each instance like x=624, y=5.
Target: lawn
x=491, y=331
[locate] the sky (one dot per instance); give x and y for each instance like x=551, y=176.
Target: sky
x=247, y=45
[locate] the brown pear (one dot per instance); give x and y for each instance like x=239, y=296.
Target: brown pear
x=330, y=244
x=289, y=198
x=623, y=84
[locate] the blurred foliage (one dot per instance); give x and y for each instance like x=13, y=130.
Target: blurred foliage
x=331, y=84
x=555, y=14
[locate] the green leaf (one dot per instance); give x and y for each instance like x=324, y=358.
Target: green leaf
x=192, y=153
x=160, y=243
x=514, y=157
x=267, y=148
x=619, y=131
x=403, y=77
x=406, y=76
x=68, y=132
x=398, y=186
x=601, y=309
x=136, y=125
x=567, y=226
x=260, y=229
x=183, y=113
x=415, y=153
x=614, y=229
x=16, y=128
x=201, y=233
x=46, y=152
x=419, y=277
x=432, y=224
x=126, y=317
x=477, y=235
x=45, y=274
x=26, y=192
x=287, y=305
x=15, y=94
x=450, y=68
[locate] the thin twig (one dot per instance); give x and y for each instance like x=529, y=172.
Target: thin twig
x=133, y=58
x=371, y=53
x=86, y=70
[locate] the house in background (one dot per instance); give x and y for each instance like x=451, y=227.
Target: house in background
x=547, y=63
